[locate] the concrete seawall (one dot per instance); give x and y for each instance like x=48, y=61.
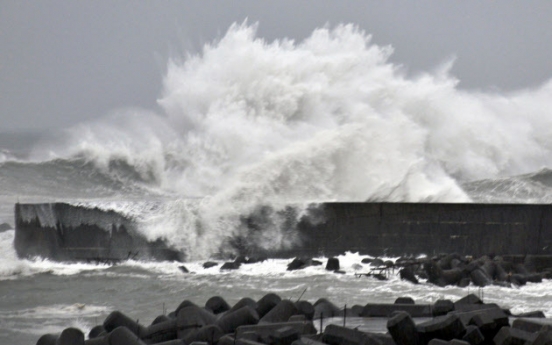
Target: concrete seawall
x=66, y=232
x=430, y=228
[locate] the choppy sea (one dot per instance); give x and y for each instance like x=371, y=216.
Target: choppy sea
x=247, y=122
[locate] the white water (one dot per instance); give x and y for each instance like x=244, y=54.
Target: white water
x=248, y=122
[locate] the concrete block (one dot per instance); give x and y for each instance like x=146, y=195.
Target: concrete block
x=403, y=330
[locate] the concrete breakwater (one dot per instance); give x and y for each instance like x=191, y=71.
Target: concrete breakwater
x=65, y=232
x=62, y=231
x=272, y=320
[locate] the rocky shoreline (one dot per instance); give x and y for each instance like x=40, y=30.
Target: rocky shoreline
x=272, y=320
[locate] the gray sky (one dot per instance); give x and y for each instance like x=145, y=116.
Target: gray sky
x=62, y=62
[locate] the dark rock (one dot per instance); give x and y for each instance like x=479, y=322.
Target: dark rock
x=183, y=304
x=183, y=269
x=442, y=307
x=160, y=318
x=386, y=310
x=280, y=313
x=458, y=342
x=266, y=303
x=377, y=263
x=265, y=331
x=159, y=332
x=443, y=327
x=117, y=319
x=532, y=314
x=298, y=318
x=285, y=336
x=531, y=325
x=407, y=273
x=123, y=336
x=438, y=342
x=513, y=336
x=366, y=260
x=473, y=335
x=5, y=227
x=518, y=279
x=332, y=264
x=47, y=339
x=246, y=301
x=404, y=300
x=480, y=278
x=71, y=336
x=217, y=305
x=190, y=319
x=305, y=308
x=297, y=264
x=209, y=264
x=324, y=308
x=210, y=334
x=469, y=299
x=96, y=331
x=543, y=337
x=403, y=330
x=229, y=322
x=230, y=266
x=336, y=335
x=489, y=321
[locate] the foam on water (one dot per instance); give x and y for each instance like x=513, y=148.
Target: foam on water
x=14, y=268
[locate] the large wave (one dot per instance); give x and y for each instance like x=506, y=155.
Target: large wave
x=248, y=122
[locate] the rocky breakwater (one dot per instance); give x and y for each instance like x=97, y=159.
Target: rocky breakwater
x=448, y=269
x=272, y=320
x=454, y=269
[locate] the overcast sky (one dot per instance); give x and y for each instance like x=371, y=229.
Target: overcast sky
x=62, y=62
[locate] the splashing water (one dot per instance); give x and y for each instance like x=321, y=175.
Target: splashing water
x=247, y=123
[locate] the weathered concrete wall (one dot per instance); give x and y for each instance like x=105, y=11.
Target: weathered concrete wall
x=429, y=228
x=66, y=232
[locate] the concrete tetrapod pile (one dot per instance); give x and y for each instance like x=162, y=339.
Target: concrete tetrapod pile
x=275, y=321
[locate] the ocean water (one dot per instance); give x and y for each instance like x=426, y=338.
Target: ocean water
x=248, y=123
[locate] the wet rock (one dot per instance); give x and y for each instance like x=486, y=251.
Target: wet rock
x=442, y=307
x=443, y=327
x=117, y=319
x=96, y=331
x=407, y=273
x=305, y=308
x=47, y=339
x=513, y=336
x=230, y=266
x=332, y=264
x=209, y=264
x=229, y=322
x=403, y=330
x=124, y=336
x=324, y=308
x=217, y=305
x=266, y=303
x=473, y=335
x=280, y=313
x=404, y=300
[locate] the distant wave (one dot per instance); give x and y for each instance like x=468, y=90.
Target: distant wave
x=533, y=188
x=71, y=178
